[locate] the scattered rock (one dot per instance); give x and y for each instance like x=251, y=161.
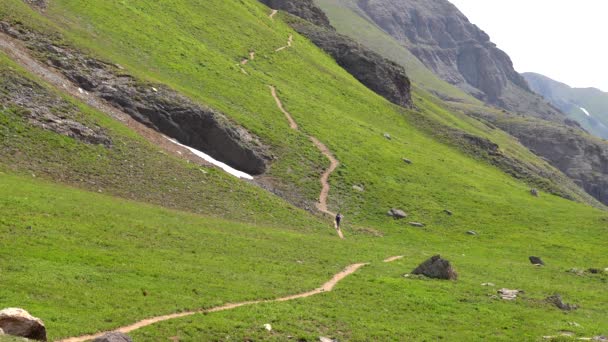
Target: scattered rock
x=508, y=294
x=417, y=224
x=577, y=271
x=388, y=136
x=574, y=324
x=448, y=212
x=18, y=322
x=407, y=161
x=488, y=284
x=113, y=336
x=557, y=301
x=397, y=214
x=471, y=232
x=536, y=261
x=534, y=192
x=436, y=268
x=327, y=339
x=359, y=188
x=268, y=327
x=1, y=331
x=594, y=271
x=600, y=338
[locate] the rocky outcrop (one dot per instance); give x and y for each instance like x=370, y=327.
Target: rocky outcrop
x=559, y=303
x=46, y=110
x=580, y=156
x=154, y=105
x=384, y=77
x=459, y=52
x=18, y=322
x=305, y=9
x=436, y=268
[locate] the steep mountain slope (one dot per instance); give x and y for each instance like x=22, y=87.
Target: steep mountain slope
x=581, y=157
x=86, y=262
x=588, y=106
x=457, y=51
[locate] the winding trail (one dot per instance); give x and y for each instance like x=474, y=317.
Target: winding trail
x=272, y=14
x=327, y=287
x=289, y=44
x=334, y=163
x=394, y=258
x=20, y=54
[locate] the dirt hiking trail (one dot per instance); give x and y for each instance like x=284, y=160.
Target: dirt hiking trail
x=273, y=13
x=289, y=44
x=19, y=54
x=327, y=287
x=334, y=163
x=391, y=259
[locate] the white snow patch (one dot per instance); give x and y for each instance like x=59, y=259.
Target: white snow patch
x=585, y=111
x=208, y=158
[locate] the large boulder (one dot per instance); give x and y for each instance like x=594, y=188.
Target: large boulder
x=113, y=336
x=18, y=322
x=436, y=268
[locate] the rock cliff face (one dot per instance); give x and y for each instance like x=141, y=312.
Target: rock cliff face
x=305, y=9
x=581, y=157
x=154, y=105
x=459, y=52
x=384, y=77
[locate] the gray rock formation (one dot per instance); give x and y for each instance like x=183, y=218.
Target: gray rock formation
x=436, y=268
x=18, y=322
x=397, y=214
x=156, y=106
x=46, y=110
x=113, y=337
x=417, y=224
x=384, y=77
x=558, y=302
x=581, y=157
x=305, y=9
x=459, y=52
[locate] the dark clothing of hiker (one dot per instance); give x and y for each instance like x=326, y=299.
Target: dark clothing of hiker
x=338, y=220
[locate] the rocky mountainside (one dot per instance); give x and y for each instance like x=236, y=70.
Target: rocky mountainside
x=305, y=9
x=458, y=51
x=588, y=106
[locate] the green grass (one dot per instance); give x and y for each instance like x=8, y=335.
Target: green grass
x=88, y=258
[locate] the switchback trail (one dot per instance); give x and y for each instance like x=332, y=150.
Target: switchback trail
x=334, y=163
x=327, y=287
x=19, y=54
x=289, y=43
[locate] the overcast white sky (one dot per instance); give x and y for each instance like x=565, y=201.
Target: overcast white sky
x=566, y=40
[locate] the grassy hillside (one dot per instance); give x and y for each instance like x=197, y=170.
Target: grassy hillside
x=105, y=252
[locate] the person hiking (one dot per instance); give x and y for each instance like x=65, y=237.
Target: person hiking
x=339, y=218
